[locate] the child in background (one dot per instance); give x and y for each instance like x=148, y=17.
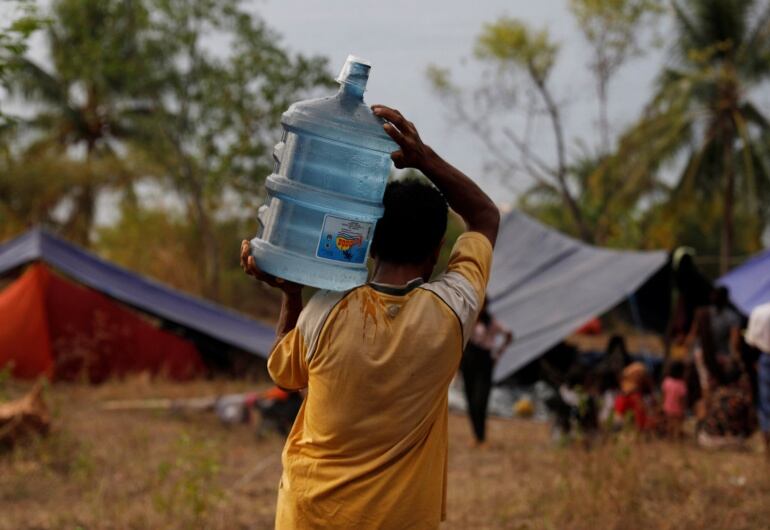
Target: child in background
x=674, y=391
x=630, y=403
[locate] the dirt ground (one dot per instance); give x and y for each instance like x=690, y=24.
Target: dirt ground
x=151, y=469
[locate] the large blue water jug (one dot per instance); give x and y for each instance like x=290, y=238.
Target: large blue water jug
x=325, y=192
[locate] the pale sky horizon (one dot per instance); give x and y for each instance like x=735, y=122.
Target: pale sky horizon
x=402, y=38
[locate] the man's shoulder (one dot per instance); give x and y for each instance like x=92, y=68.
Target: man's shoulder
x=455, y=291
x=320, y=305
x=315, y=314
x=323, y=298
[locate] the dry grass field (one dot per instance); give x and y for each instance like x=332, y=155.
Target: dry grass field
x=150, y=469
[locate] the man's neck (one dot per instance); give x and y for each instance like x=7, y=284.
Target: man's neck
x=396, y=273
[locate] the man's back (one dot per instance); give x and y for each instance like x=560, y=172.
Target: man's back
x=369, y=447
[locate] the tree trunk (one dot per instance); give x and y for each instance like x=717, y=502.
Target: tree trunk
x=82, y=216
x=726, y=249
x=604, y=121
x=210, y=250
x=81, y=219
x=561, y=170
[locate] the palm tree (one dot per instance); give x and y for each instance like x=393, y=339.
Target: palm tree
x=702, y=112
x=610, y=198
x=93, y=98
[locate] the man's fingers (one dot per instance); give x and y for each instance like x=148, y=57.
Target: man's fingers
x=251, y=266
x=244, y=253
x=258, y=273
x=394, y=133
x=392, y=115
x=398, y=158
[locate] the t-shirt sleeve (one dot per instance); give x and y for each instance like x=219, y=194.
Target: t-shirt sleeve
x=287, y=363
x=292, y=355
x=472, y=259
x=462, y=287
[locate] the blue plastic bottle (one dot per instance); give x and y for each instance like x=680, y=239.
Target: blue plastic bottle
x=325, y=192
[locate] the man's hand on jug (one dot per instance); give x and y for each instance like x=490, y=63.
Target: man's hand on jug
x=413, y=153
x=250, y=267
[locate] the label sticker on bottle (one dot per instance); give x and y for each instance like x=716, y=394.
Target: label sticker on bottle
x=344, y=240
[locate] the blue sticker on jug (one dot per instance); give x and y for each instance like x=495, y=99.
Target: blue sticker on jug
x=344, y=240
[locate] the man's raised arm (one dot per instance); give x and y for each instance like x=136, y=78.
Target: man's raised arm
x=291, y=303
x=463, y=195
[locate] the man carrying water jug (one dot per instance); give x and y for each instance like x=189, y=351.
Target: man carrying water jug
x=368, y=449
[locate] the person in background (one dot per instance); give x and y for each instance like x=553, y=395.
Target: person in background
x=630, y=404
x=579, y=393
x=758, y=336
x=729, y=417
x=715, y=335
x=674, y=391
x=616, y=356
x=488, y=342
x=277, y=409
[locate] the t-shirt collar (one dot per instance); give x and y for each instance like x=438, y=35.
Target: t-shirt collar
x=396, y=290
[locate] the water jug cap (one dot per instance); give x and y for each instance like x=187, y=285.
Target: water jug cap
x=355, y=71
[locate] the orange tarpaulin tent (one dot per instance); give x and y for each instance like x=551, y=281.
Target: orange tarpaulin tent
x=51, y=326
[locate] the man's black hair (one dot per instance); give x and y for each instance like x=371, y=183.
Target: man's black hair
x=414, y=222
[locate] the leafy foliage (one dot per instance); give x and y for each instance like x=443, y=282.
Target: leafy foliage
x=613, y=30
x=511, y=41
x=102, y=77
x=702, y=121
x=691, y=168
x=13, y=38
x=177, y=98
x=218, y=114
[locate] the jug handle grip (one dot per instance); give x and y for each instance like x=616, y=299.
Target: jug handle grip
x=261, y=214
x=278, y=152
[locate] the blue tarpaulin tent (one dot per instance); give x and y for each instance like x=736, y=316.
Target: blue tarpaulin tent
x=545, y=285
x=749, y=284
x=206, y=318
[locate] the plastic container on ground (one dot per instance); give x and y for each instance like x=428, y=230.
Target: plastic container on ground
x=325, y=192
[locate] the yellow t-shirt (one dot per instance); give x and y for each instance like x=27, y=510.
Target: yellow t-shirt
x=368, y=449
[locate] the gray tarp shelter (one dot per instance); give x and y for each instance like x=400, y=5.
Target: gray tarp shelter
x=152, y=297
x=545, y=285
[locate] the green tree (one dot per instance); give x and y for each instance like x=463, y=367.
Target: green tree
x=89, y=102
x=22, y=21
x=612, y=30
x=522, y=60
x=610, y=200
x=213, y=140
x=516, y=51
x=703, y=113
x=183, y=95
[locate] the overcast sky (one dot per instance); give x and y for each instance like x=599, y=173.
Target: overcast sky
x=402, y=37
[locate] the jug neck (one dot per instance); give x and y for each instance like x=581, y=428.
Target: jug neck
x=353, y=78
x=351, y=90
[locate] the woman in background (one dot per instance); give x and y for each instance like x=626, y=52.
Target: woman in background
x=489, y=340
